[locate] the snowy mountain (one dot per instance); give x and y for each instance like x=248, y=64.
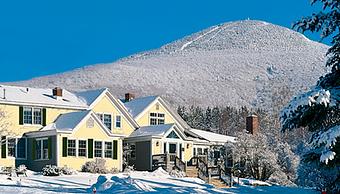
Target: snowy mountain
x=235, y=63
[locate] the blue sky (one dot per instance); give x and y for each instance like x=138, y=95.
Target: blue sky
x=45, y=37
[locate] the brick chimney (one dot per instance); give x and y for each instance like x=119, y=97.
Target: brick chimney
x=57, y=92
x=129, y=97
x=252, y=124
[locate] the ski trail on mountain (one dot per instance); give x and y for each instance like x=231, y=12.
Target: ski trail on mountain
x=199, y=37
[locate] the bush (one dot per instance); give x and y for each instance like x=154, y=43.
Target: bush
x=96, y=166
x=51, y=170
x=67, y=171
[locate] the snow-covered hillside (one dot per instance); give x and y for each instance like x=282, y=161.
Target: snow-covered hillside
x=235, y=63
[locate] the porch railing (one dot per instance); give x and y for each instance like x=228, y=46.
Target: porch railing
x=179, y=164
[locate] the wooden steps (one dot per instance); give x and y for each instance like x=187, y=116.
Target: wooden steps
x=218, y=183
x=191, y=171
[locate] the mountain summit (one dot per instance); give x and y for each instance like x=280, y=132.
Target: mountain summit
x=242, y=63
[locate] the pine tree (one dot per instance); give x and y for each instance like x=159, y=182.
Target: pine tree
x=208, y=119
x=319, y=108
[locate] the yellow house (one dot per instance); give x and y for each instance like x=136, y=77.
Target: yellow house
x=163, y=131
x=58, y=127
x=55, y=126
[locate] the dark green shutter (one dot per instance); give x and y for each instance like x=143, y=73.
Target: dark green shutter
x=44, y=116
x=49, y=146
x=3, y=147
x=21, y=115
x=34, y=147
x=90, y=148
x=115, y=150
x=64, y=146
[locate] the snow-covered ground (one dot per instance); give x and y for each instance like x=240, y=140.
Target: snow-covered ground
x=135, y=182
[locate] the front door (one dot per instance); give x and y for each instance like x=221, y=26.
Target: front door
x=172, y=151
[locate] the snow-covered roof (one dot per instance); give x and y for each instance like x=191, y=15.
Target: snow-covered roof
x=153, y=130
x=69, y=121
x=90, y=96
x=39, y=97
x=136, y=106
x=213, y=137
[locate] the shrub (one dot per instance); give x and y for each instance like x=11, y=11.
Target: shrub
x=67, y=171
x=51, y=170
x=96, y=166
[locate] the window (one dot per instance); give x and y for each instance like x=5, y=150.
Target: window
x=37, y=116
x=133, y=151
x=161, y=118
x=98, y=149
x=106, y=119
x=199, y=151
x=32, y=115
x=11, y=144
x=118, y=121
x=71, y=147
x=21, y=148
x=108, y=150
x=157, y=118
x=173, y=135
x=82, y=148
x=27, y=115
x=41, y=149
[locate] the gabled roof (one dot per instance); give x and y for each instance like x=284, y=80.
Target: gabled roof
x=152, y=130
x=138, y=105
x=70, y=122
x=90, y=96
x=39, y=97
x=213, y=137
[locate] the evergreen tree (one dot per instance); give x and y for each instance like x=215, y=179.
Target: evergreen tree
x=208, y=119
x=319, y=108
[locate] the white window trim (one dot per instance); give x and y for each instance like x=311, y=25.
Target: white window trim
x=86, y=150
x=76, y=144
x=32, y=114
x=94, y=148
x=42, y=150
x=156, y=117
x=16, y=147
x=106, y=113
x=121, y=123
x=111, y=149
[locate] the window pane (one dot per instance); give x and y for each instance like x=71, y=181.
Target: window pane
x=21, y=148
x=161, y=115
x=37, y=116
x=38, y=149
x=153, y=121
x=160, y=121
x=82, y=148
x=71, y=147
x=118, y=121
x=107, y=120
x=108, y=150
x=153, y=114
x=11, y=147
x=98, y=148
x=45, y=149
x=27, y=115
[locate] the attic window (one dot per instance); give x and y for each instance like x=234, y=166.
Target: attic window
x=157, y=118
x=173, y=135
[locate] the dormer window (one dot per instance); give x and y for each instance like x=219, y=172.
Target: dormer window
x=157, y=118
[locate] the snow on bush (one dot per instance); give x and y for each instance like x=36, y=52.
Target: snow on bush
x=67, y=171
x=51, y=170
x=95, y=166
